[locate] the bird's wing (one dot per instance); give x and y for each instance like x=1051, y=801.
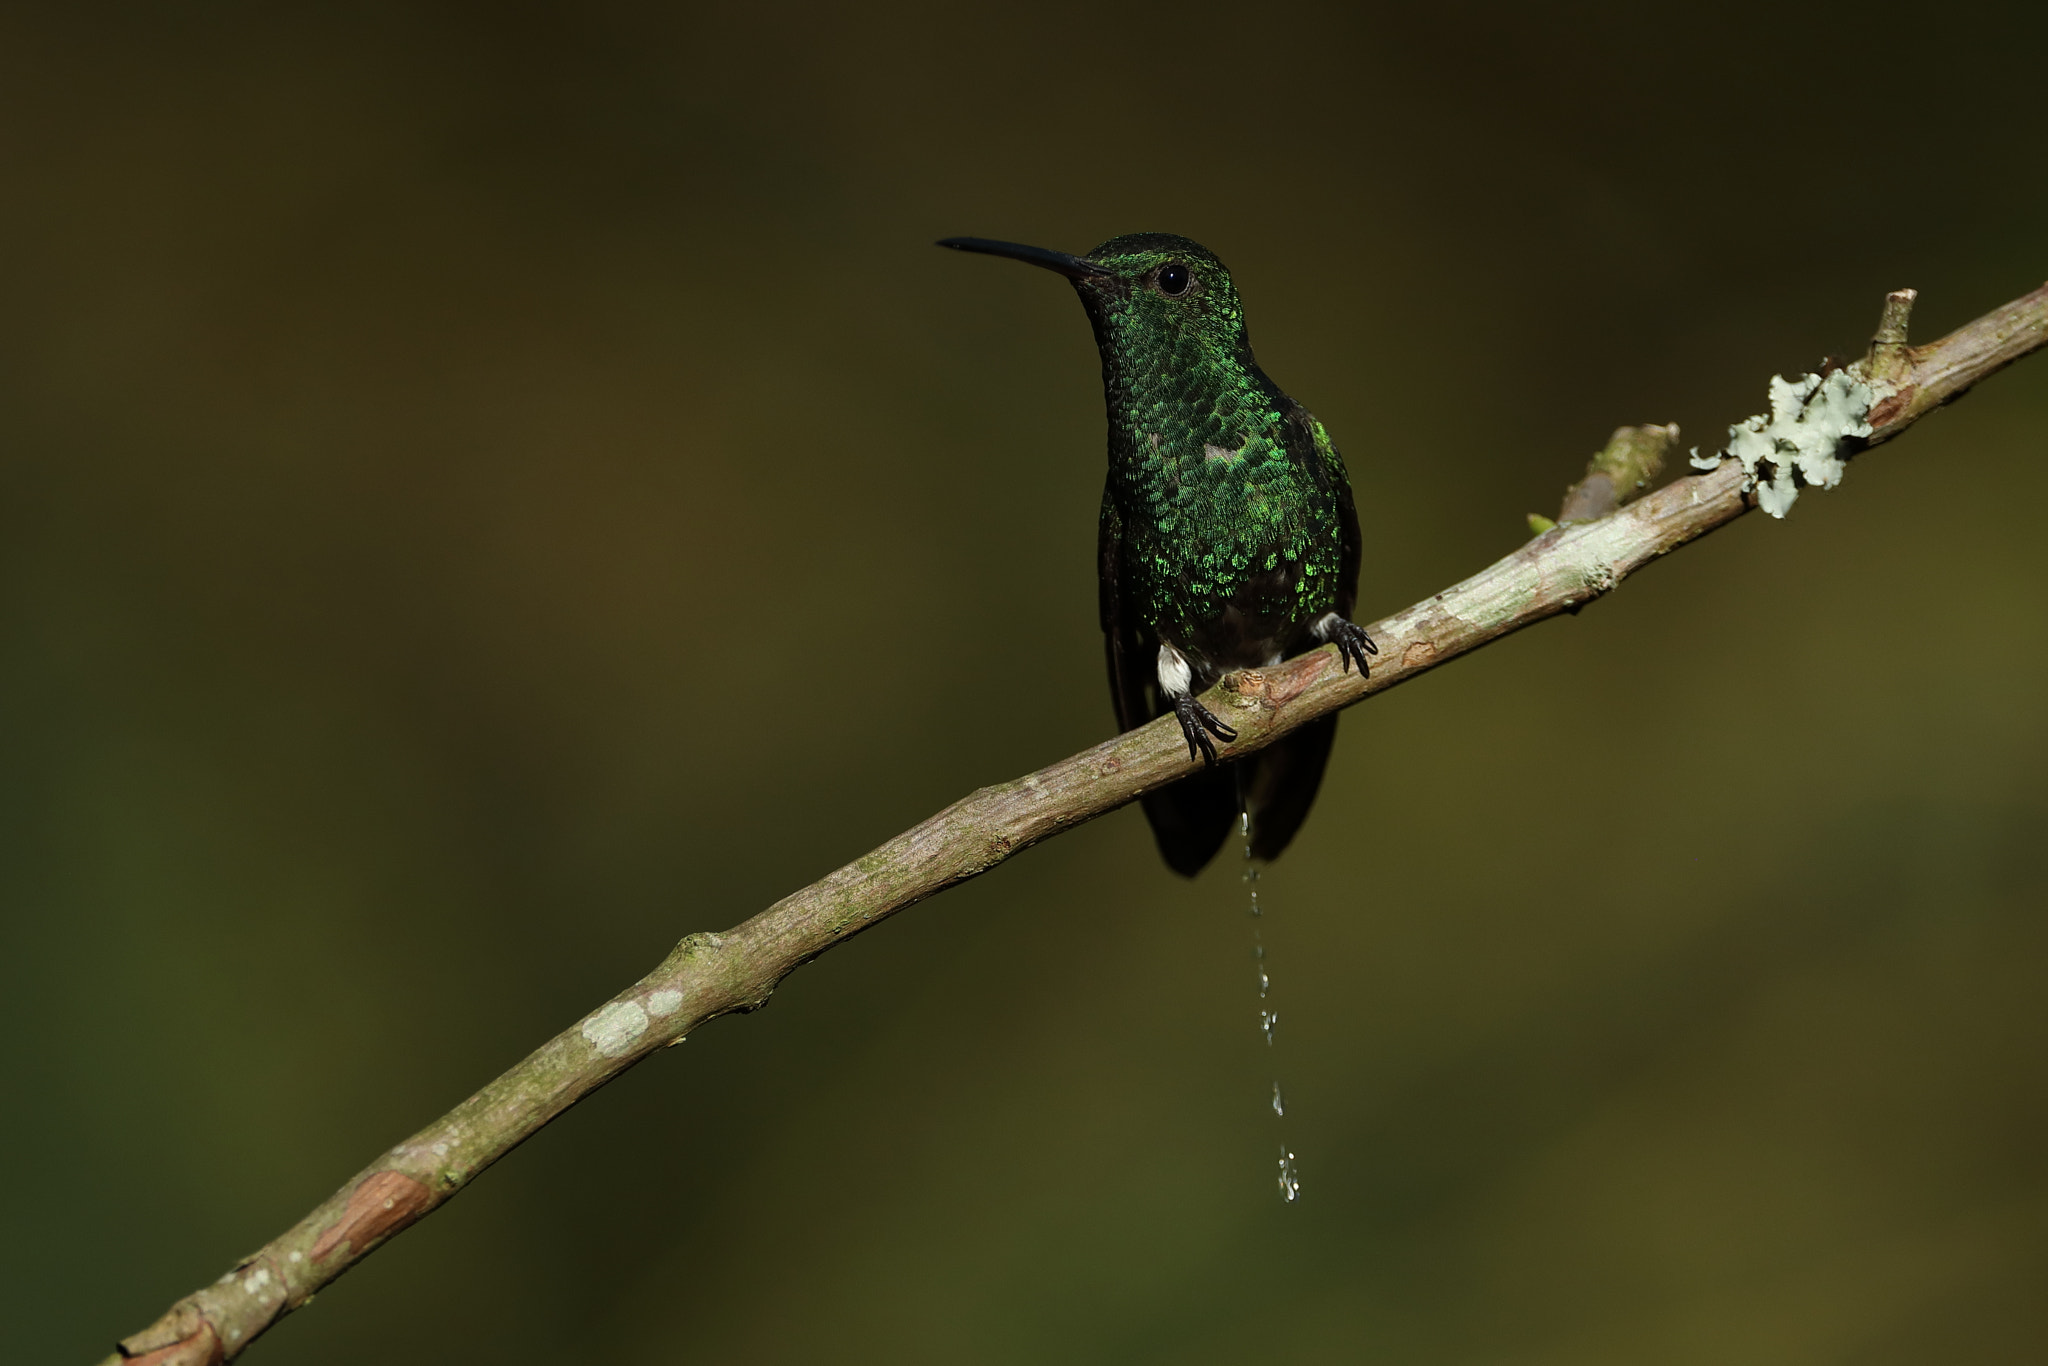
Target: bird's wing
x=1121, y=646
x=1330, y=468
x=1278, y=784
x=1191, y=818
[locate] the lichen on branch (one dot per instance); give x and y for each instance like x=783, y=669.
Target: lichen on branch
x=1804, y=440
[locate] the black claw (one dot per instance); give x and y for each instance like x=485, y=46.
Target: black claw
x=1352, y=643
x=1198, y=723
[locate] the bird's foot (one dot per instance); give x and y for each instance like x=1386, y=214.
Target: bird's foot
x=1352, y=643
x=1198, y=723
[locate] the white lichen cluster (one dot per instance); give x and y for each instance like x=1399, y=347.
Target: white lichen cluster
x=1799, y=442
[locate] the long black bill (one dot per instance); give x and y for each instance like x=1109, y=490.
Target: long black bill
x=1073, y=267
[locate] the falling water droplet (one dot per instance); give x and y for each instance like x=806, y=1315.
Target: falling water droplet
x=1269, y=1020
x=1290, y=1179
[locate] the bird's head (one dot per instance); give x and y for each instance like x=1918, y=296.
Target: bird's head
x=1145, y=292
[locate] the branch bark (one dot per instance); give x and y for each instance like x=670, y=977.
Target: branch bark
x=1617, y=474
x=708, y=975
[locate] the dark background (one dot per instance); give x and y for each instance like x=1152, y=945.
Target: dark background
x=487, y=490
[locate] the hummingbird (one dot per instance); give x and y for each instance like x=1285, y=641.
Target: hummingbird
x=1228, y=538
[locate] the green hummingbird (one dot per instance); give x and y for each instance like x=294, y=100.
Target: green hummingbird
x=1228, y=539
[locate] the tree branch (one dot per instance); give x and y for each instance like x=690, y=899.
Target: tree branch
x=1619, y=473
x=709, y=975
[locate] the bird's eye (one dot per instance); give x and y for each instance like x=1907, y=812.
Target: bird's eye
x=1173, y=280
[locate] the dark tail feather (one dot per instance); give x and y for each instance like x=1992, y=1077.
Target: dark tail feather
x=1192, y=818
x=1280, y=783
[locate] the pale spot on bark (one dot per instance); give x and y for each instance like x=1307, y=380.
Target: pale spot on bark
x=612, y=1030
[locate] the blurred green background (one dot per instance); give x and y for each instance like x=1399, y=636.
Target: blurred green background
x=488, y=489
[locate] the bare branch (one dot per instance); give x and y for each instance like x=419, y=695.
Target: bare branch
x=715, y=974
x=1622, y=471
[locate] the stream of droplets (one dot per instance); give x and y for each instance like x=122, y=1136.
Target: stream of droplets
x=1269, y=1018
